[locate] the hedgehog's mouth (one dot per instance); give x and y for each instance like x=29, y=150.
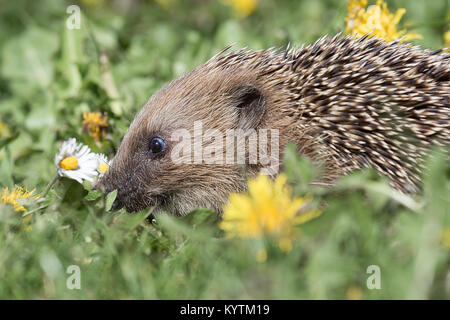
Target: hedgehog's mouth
x=133, y=204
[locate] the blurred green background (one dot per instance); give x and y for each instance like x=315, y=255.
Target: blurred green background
x=50, y=75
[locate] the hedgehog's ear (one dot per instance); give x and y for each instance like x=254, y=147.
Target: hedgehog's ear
x=250, y=105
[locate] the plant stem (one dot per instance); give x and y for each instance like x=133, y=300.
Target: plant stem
x=37, y=209
x=50, y=185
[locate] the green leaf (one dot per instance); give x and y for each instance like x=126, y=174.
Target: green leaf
x=6, y=169
x=87, y=185
x=93, y=194
x=129, y=222
x=298, y=169
x=200, y=216
x=110, y=200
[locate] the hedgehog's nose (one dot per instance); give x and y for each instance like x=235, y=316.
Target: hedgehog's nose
x=104, y=185
x=100, y=185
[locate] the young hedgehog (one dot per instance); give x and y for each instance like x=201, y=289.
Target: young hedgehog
x=347, y=104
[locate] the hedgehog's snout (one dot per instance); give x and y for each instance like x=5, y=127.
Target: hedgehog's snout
x=130, y=189
x=113, y=181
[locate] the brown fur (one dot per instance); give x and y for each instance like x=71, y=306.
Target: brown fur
x=346, y=104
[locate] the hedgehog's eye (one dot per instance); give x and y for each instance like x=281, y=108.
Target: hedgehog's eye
x=157, y=145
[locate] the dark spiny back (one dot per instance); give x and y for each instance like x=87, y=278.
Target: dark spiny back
x=369, y=103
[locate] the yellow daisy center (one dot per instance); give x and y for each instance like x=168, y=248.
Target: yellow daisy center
x=69, y=163
x=103, y=167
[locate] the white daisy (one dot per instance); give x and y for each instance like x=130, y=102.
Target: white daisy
x=103, y=164
x=76, y=161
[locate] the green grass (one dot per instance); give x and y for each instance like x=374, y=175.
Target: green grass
x=50, y=75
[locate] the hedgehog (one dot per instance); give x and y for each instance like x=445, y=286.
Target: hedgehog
x=347, y=104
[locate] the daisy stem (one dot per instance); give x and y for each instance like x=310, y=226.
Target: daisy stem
x=37, y=209
x=50, y=185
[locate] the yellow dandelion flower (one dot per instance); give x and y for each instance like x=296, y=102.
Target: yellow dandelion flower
x=376, y=19
x=447, y=39
x=354, y=6
x=242, y=8
x=95, y=124
x=14, y=196
x=267, y=209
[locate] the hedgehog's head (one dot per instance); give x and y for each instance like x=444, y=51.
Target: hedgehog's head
x=170, y=160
